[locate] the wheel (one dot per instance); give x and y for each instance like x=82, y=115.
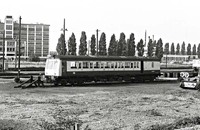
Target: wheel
x=63, y=82
x=79, y=82
x=56, y=82
x=197, y=85
x=181, y=84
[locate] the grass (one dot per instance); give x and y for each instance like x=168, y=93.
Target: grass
x=13, y=125
x=181, y=123
x=153, y=112
x=63, y=121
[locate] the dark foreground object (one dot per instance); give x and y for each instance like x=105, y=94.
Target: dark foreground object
x=31, y=83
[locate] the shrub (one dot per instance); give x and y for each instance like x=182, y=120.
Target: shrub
x=17, y=79
x=34, y=58
x=13, y=125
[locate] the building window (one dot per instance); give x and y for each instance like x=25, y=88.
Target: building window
x=8, y=32
x=10, y=44
x=38, y=29
x=8, y=36
x=9, y=21
x=8, y=27
x=31, y=29
x=45, y=28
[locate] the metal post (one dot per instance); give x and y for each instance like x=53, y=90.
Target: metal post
x=15, y=54
x=64, y=30
x=166, y=60
x=3, y=49
x=97, y=43
x=19, y=46
x=145, y=37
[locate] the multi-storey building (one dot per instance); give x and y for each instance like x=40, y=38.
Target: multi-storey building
x=34, y=39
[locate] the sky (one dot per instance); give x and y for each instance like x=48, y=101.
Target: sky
x=171, y=20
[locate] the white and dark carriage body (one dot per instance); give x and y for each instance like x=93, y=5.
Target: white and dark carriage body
x=79, y=69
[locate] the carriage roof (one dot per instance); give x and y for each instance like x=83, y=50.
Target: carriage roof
x=104, y=58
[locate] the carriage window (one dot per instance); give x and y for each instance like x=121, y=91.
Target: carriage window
x=80, y=65
x=97, y=65
x=77, y=64
x=73, y=65
x=137, y=64
x=112, y=65
x=127, y=64
x=91, y=65
x=131, y=65
x=102, y=64
x=107, y=65
x=85, y=65
x=152, y=64
x=116, y=63
x=122, y=65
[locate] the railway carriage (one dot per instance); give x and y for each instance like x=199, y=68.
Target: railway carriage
x=80, y=69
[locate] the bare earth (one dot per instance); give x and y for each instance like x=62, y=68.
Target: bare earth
x=126, y=106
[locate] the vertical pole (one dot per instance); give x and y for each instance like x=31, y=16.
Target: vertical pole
x=88, y=48
x=19, y=46
x=15, y=54
x=97, y=43
x=64, y=30
x=166, y=60
x=152, y=37
x=145, y=37
x=3, y=49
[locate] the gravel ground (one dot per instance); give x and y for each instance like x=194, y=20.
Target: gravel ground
x=125, y=106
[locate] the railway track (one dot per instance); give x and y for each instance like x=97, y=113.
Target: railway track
x=24, y=74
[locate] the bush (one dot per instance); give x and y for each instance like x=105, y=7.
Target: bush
x=60, y=124
x=13, y=125
x=63, y=121
x=17, y=79
x=181, y=123
x=34, y=58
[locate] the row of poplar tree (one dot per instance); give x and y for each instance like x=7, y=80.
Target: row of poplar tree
x=121, y=47
x=181, y=49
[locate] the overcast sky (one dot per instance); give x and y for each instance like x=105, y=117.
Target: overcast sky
x=172, y=20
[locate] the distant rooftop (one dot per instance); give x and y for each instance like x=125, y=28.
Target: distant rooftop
x=17, y=22
x=8, y=16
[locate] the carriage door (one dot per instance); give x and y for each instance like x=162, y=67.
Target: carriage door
x=64, y=66
x=142, y=66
